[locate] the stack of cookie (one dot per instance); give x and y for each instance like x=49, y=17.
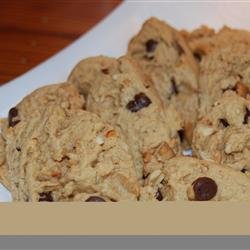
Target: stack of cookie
x=124, y=129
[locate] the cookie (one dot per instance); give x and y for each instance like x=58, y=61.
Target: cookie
x=164, y=55
x=204, y=40
x=223, y=135
x=119, y=93
x=190, y=179
x=32, y=105
x=63, y=152
x=224, y=69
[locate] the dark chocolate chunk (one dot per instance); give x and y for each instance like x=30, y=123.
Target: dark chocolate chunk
x=145, y=176
x=151, y=45
x=105, y=71
x=243, y=170
x=163, y=182
x=18, y=149
x=95, y=199
x=204, y=188
x=140, y=101
x=247, y=115
x=198, y=56
x=13, y=113
x=224, y=122
x=158, y=195
x=46, y=196
x=181, y=134
x=174, y=86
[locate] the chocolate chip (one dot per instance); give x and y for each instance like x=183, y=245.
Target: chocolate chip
x=243, y=170
x=18, y=149
x=224, y=122
x=178, y=47
x=204, y=188
x=198, y=56
x=140, y=101
x=151, y=45
x=247, y=115
x=158, y=195
x=132, y=106
x=95, y=199
x=46, y=196
x=145, y=176
x=105, y=71
x=181, y=134
x=174, y=86
x=163, y=182
x=65, y=158
x=13, y=113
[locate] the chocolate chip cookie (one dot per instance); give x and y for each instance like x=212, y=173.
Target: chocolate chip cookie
x=223, y=135
x=190, y=179
x=63, y=153
x=163, y=54
x=119, y=93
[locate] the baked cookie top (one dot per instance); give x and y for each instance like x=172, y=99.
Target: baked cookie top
x=224, y=69
x=119, y=93
x=186, y=178
x=61, y=153
x=204, y=39
x=163, y=54
x=223, y=135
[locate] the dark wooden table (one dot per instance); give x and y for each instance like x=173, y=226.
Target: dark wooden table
x=32, y=31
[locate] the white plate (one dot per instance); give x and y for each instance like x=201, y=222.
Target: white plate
x=111, y=36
